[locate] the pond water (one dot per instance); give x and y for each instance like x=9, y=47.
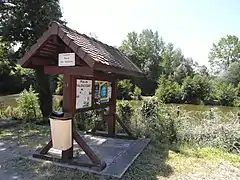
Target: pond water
x=10, y=100
x=192, y=107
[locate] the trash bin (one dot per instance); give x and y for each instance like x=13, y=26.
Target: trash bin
x=61, y=131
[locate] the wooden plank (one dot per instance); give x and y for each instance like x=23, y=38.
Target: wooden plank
x=89, y=152
x=115, y=70
x=66, y=93
x=111, y=119
x=46, y=148
x=76, y=70
x=126, y=129
x=42, y=61
x=105, y=105
x=40, y=42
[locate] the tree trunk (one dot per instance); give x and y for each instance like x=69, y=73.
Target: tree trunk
x=44, y=92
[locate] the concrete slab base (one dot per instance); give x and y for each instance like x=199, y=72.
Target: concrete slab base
x=118, y=154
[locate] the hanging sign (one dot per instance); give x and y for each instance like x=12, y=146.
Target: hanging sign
x=83, y=93
x=66, y=59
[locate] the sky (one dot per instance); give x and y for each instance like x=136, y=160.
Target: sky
x=192, y=25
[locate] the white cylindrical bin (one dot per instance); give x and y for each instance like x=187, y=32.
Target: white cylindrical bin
x=61, y=133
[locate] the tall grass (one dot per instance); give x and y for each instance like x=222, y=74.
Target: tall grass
x=169, y=124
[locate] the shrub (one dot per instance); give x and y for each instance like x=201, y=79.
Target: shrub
x=153, y=120
x=8, y=112
x=125, y=111
x=162, y=123
x=137, y=93
x=86, y=120
x=124, y=90
x=218, y=130
x=196, y=88
x=149, y=108
x=59, y=89
x=224, y=93
x=28, y=104
x=168, y=91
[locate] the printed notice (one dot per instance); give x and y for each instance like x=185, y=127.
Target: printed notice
x=66, y=59
x=83, y=93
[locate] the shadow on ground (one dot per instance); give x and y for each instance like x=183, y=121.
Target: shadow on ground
x=19, y=142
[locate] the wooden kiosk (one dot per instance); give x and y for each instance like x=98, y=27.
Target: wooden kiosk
x=86, y=64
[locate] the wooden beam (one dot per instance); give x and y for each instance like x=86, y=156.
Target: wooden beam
x=46, y=148
x=76, y=70
x=89, y=152
x=118, y=71
x=41, y=61
x=40, y=43
x=111, y=118
x=47, y=53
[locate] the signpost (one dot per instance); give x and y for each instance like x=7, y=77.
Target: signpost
x=66, y=59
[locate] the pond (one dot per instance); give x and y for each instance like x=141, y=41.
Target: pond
x=192, y=107
x=10, y=100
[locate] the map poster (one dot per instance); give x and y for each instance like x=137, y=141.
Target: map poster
x=102, y=92
x=83, y=93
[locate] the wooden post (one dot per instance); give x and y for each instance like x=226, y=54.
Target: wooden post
x=68, y=109
x=111, y=119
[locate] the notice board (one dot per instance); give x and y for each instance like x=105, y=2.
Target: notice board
x=83, y=93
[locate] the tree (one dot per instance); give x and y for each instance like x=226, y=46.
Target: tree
x=171, y=59
x=145, y=50
x=224, y=93
x=168, y=91
x=232, y=75
x=6, y=66
x=24, y=24
x=225, y=52
x=202, y=70
x=186, y=68
x=196, y=88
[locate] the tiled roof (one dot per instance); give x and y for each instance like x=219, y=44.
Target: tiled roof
x=99, y=51
x=97, y=55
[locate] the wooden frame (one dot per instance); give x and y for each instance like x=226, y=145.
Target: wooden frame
x=58, y=39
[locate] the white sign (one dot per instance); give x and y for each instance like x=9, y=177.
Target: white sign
x=66, y=59
x=83, y=93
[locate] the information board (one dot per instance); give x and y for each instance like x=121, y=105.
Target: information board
x=103, y=91
x=83, y=93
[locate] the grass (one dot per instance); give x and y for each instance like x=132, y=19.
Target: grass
x=158, y=161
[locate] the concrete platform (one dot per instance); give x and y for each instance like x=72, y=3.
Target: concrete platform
x=118, y=154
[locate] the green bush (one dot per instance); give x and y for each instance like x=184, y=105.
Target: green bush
x=224, y=93
x=28, y=105
x=236, y=102
x=124, y=90
x=125, y=111
x=195, y=88
x=153, y=120
x=137, y=93
x=59, y=89
x=86, y=120
x=149, y=108
x=168, y=91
